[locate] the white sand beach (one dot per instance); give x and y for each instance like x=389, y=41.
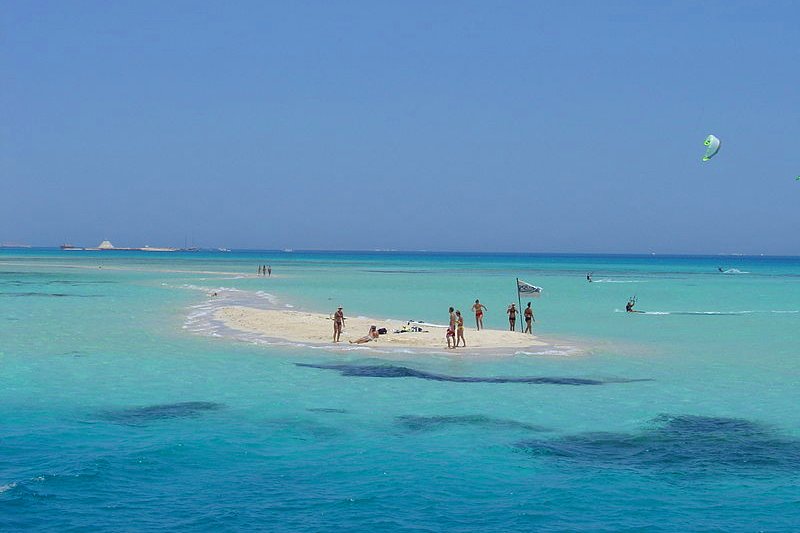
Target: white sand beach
x=317, y=328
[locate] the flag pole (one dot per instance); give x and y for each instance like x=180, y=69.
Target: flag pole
x=519, y=310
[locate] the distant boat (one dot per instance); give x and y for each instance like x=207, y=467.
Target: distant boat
x=148, y=248
x=223, y=249
x=288, y=250
x=106, y=246
x=68, y=246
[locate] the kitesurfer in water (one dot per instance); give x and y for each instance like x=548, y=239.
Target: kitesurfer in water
x=629, y=306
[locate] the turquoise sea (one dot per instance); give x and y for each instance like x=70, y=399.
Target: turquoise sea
x=125, y=407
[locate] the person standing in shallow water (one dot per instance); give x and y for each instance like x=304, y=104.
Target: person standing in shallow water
x=479, y=308
x=512, y=317
x=528, y=318
x=338, y=324
x=269, y=270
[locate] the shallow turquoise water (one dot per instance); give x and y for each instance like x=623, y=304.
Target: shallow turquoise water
x=122, y=409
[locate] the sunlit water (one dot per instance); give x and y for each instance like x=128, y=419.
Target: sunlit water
x=125, y=406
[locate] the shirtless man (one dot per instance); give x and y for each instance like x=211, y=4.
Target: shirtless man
x=479, y=309
x=512, y=317
x=451, y=329
x=528, y=319
x=338, y=324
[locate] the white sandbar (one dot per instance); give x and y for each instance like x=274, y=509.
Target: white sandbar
x=317, y=328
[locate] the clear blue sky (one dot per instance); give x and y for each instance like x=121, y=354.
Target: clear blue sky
x=486, y=126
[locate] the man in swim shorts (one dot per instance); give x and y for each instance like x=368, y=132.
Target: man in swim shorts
x=528, y=319
x=451, y=329
x=479, y=308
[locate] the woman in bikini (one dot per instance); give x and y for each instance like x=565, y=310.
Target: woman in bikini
x=512, y=317
x=460, y=329
x=479, y=308
x=338, y=324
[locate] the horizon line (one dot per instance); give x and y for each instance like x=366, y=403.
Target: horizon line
x=16, y=246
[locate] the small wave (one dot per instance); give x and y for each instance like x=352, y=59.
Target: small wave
x=7, y=487
x=712, y=313
x=619, y=281
x=550, y=352
x=201, y=320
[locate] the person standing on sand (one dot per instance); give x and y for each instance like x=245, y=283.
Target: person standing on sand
x=338, y=324
x=528, y=319
x=451, y=329
x=512, y=317
x=479, y=308
x=460, y=329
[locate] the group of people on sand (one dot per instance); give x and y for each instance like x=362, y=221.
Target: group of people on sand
x=265, y=270
x=455, y=330
x=338, y=326
x=455, y=327
x=512, y=318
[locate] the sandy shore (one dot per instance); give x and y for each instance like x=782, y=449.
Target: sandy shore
x=317, y=328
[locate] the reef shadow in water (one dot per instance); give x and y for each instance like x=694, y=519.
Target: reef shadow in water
x=683, y=444
x=326, y=410
x=141, y=415
x=436, y=422
x=390, y=371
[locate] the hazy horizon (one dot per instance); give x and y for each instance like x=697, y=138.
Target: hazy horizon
x=451, y=126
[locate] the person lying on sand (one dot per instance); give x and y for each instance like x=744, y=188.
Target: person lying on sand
x=371, y=336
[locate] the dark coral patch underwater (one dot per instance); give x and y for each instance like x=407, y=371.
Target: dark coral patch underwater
x=390, y=371
x=437, y=422
x=149, y=413
x=686, y=443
